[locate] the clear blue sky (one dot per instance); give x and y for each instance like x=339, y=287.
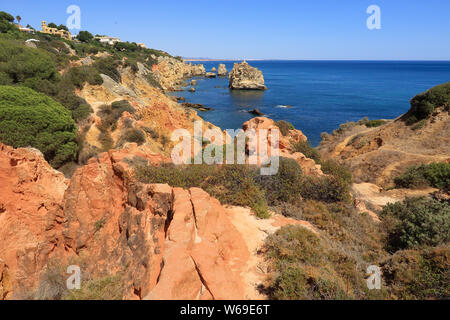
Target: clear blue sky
x=262, y=29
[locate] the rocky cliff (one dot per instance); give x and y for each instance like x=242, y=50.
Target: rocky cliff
x=171, y=72
x=162, y=242
x=155, y=114
x=286, y=144
x=379, y=154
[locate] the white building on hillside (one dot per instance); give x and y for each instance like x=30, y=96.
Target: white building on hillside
x=108, y=40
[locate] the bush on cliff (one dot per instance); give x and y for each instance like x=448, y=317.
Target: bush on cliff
x=131, y=135
x=308, y=151
x=415, y=223
x=32, y=68
x=28, y=118
x=332, y=168
x=424, y=104
x=108, y=66
x=436, y=175
x=108, y=288
x=285, y=186
x=78, y=76
x=284, y=127
x=418, y=274
x=308, y=269
x=230, y=184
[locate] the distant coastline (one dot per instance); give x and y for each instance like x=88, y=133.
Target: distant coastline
x=213, y=60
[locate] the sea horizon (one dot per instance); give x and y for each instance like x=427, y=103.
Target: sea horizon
x=318, y=96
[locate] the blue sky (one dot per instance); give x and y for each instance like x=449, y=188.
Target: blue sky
x=261, y=29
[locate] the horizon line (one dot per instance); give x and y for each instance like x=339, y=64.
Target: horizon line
x=216, y=59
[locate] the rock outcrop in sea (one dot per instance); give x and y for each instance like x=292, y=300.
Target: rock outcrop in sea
x=222, y=71
x=286, y=144
x=245, y=77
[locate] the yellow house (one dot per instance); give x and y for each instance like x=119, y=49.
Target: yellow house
x=62, y=33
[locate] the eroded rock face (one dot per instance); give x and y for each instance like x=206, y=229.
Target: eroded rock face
x=5, y=282
x=109, y=224
x=286, y=143
x=204, y=253
x=222, y=71
x=378, y=155
x=171, y=72
x=245, y=77
x=31, y=194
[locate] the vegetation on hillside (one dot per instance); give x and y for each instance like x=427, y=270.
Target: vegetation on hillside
x=435, y=175
x=243, y=185
x=47, y=66
x=415, y=223
x=424, y=104
x=28, y=118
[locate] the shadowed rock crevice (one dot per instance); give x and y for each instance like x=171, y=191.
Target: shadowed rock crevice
x=205, y=285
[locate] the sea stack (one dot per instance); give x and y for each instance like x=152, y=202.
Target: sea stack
x=245, y=77
x=222, y=71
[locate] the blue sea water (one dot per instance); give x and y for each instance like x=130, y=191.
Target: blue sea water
x=323, y=94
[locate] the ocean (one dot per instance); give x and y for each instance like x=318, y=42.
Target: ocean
x=322, y=94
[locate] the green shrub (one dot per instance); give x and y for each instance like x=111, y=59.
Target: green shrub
x=176, y=176
x=28, y=118
x=424, y=104
x=331, y=167
x=416, y=222
x=375, y=123
x=327, y=189
x=235, y=185
x=436, y=175
x=285, y=186
x=284, y=127
x=419, y=125
x=106, y=140
x=6, y=23
x=85, y=36
x=108, y=66
x=414, y=274
x=132, y=135
x=110, y=114
x=308, y=151
x=302, y=266
x=81, y=113
x=25, y=66
x=78, y=76
x=230, y=184
x=6, y=16
x=107, y=288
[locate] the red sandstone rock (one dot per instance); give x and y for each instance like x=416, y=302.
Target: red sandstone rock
x=31, y=194
x=286, y=143
x=164, y=243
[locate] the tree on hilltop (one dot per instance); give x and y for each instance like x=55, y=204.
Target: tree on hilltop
x=85, y=36
x=6, y=16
